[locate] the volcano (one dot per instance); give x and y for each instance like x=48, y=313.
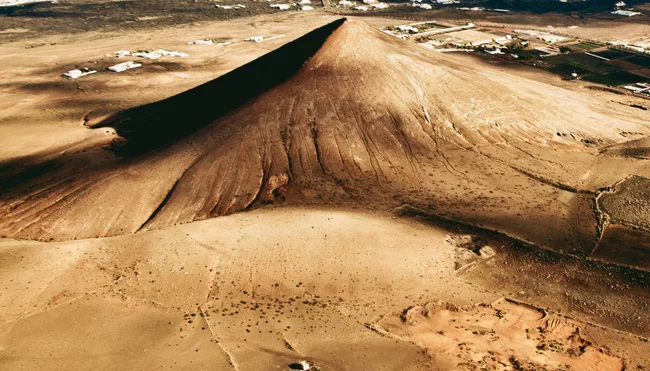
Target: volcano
x=345, y=116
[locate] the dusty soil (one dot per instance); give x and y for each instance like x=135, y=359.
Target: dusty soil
x=628, y=203
x=624, y=245
x=500, y=336
x=236, y=290
x=77, y=17
x=240, y=292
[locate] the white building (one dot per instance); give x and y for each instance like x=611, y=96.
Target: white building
x=148, y=55
x=201, y=42
x=256, y=39
x=620, y=4
x=547, y=51
x=121, y=67
x=281, y=6
x=122, y=53
x=379, y=5
x=640, y=88
x=362, y=8
x=625, y=13
x=307, y=7
x=494, y=51
x=75, y=74
x=171, y=54
x=407, y=28
x=482, y=42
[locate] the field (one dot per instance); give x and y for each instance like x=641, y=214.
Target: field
x=565, y=70
x=639, y=60
x=619, y=70
x=77, y=17
x=586, y=46
x=613, y=54
x=429, y=26
x=584, y=62
x=616, y=78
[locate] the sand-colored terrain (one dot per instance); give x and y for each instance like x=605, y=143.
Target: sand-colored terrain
x=236, y=290
x=500, y=336
x=348, y=198
x=239, y=291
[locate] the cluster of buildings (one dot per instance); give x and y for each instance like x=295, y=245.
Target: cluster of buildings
x=303, y=5
x=429, y=28
x=481, y=9
x=639, y=47
x=625, y=13
x=156, y=54
x=124, y=66
x=370, y=4
x=367, y=5
x=259, y=39
x=447, y=38
x=237, y=6
x=418, y=4
x=639, y=88
x=544, y=36
x=208, y=42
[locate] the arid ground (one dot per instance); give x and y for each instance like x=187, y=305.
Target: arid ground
x=334, y=195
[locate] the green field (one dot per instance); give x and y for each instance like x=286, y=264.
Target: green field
x=613, y=54
x=586, y=46
x=639, y=60
x=616, y=78
x=428, y=26
x=566, y=70
x=583, y=62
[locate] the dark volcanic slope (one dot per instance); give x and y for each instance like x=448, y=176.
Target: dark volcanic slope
x=367, y=120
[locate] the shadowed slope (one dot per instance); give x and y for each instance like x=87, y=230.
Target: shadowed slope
x=159, y=123
x=368, y=120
